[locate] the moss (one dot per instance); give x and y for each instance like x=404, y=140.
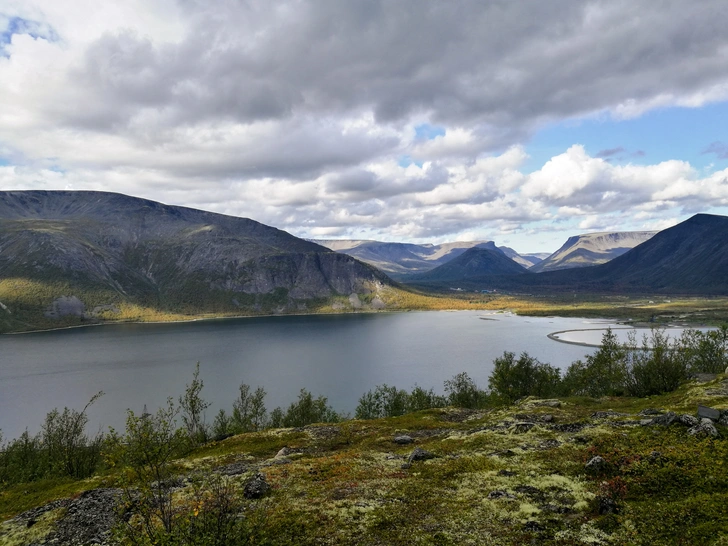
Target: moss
x=18, y=533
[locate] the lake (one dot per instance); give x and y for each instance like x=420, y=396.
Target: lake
x=338, y=356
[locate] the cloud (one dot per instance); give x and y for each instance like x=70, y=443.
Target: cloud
x=296, y=112
x=609, y=152
x=720, y=149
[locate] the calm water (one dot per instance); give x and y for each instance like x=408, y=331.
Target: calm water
x=340, y=357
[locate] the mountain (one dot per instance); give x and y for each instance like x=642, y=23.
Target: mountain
x=474, y=263
x=689, y=258
x=114, y=249
x=400, y=260
x=592, y=249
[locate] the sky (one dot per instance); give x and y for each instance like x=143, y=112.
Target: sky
x=416, y=120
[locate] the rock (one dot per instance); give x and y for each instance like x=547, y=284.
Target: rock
x=568, y=427
x=607, y=414
x=548, y=403
x=89, y=518
x=500, y=494
x=705, y=377
x=645, y=422
x=419, y=454
x=688, y=420
x=404, y=439
x=596, y=464
x=665, y=420
x=708, y=413
x=283, y=452
x=655, y=456
x=705, y=428
x=507, y=473
x=547, y=418
x=257, y=487
x=651, y=411
x=723, y=418
x=520, y=428
x=549, y=444
x=233, y=469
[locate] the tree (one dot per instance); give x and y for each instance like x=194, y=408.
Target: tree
x=659, y=366
x=464, y=393
x=309, y=410
x=512, y=379
x=384, y=401
x=150, y=443
x=69, y=451
x=603, y=373
x=193, y=408
x=249, y=413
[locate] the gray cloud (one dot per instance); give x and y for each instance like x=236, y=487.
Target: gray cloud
x=297, y=112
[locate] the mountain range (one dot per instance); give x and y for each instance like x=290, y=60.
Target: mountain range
x=689, y=258
x=591, y=249
x=400, y=260
x=118, y=249
x=91, y=255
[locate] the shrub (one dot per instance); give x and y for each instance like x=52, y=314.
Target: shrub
x=705, y=352
x=309, y=410
x=512, y=379
x=249, y=413
x=462, y=392
x=384, y=401
x=193, y=409
x=658, y=366
x=421, y=399
x=61, y=449
x=603, y=373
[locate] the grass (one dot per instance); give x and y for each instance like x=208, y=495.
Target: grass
x=490, y=483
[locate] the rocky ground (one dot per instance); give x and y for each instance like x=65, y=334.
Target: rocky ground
x=572, y=471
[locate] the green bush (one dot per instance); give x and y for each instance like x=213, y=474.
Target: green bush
x=658, y=366
x=706, y=352
x=193, y=407
x=307, y=410
x=249, y=413
x=61, y=449
x=462, y=392
x=383, y=401
x=513, y=378
x=603, y=373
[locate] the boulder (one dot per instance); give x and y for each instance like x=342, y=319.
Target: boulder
x=665, y=420
x=403, y=439
x=419, y=454
x=688, y=420
x=257, y=487
x=596, y=464
x=500, y=494
x=704, y=412
x=705, y=428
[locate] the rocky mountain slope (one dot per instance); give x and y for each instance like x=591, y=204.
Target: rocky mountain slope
x=86, y=253
x=402, y=259
x=592, y=249
x=474, y=263
x=689, y=258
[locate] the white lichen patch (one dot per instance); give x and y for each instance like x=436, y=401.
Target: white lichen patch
x=17, y=533
x=586, y=534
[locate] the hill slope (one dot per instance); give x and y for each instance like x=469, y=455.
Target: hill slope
x=403, y=259
x=474, y=263
x=689, y=258
x=115, y=249
x=592, y=249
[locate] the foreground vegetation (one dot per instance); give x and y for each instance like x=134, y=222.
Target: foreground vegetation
x=502, y=465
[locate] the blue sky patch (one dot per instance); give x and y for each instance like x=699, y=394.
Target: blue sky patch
x=34, y=29
x=405, y=161
x=428, y=132
x=696, y=135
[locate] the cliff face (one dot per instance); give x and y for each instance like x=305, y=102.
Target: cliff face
x=592, y=249
x=170, y=257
